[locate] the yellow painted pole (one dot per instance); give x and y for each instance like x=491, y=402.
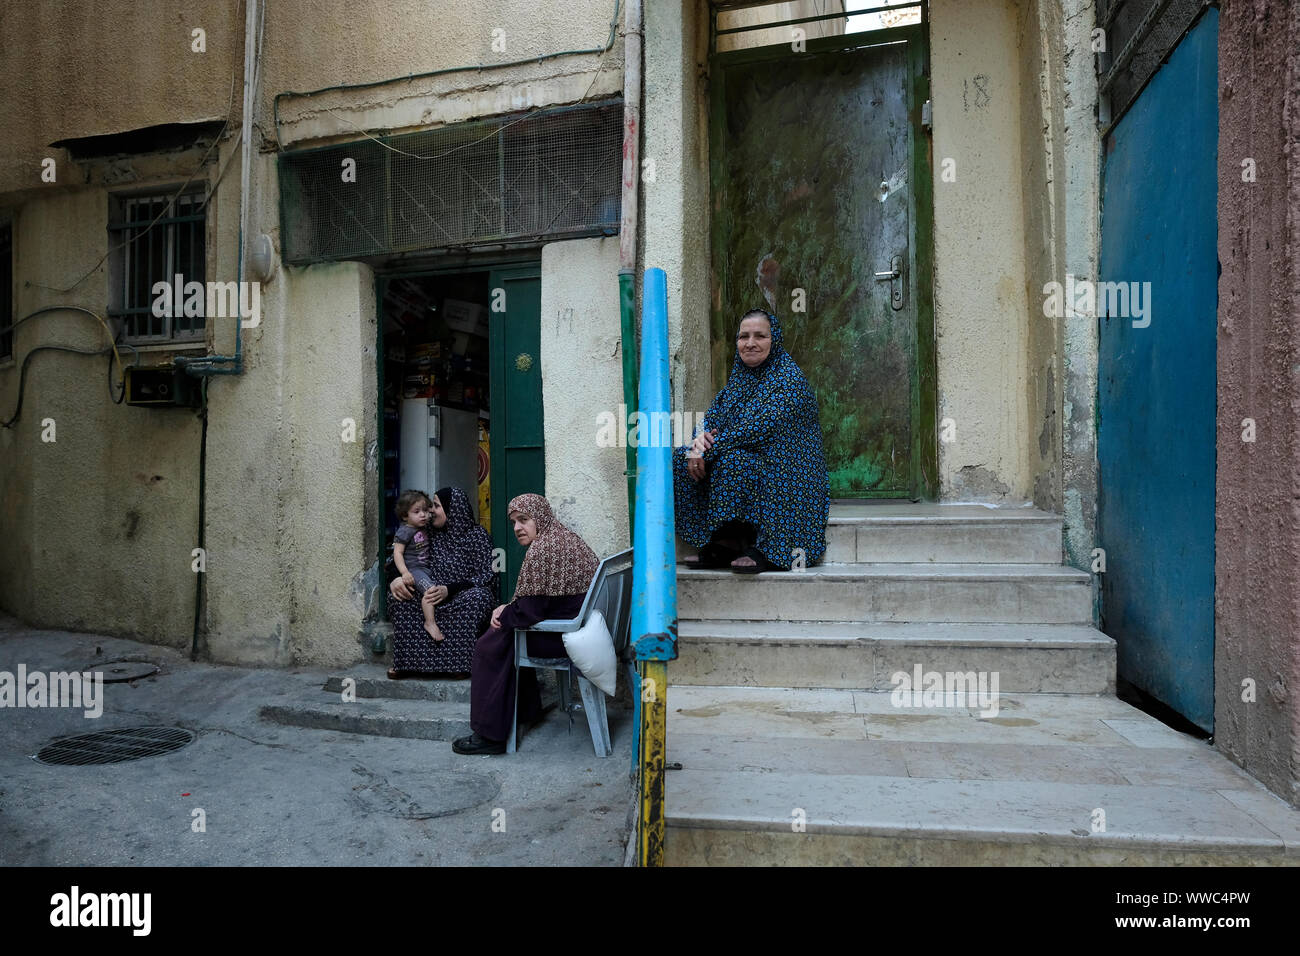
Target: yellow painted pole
x=654, y=747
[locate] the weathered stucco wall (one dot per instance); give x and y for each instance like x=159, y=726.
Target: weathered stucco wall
x=1041, y=41
x=291, y=523
x=582, y=376
x=1257, y=528
x=676, y=228
x=96, y=527
x=982, y=312
x=414, y=37
x=94, y=68
x=1058, y=127
x=1081, y=227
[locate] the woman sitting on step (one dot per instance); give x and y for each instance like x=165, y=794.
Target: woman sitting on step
x=553, y=583
x=460, y=564
x=751, y=490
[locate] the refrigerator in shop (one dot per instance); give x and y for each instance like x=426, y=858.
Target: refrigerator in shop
x=439, y=448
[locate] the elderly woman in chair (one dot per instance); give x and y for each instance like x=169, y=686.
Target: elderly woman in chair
x=751, y=491
x=553, y=583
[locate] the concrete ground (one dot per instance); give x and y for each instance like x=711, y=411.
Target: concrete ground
x=272, y=794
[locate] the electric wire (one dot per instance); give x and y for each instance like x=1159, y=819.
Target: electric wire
x=111, y=348
x=22, y=372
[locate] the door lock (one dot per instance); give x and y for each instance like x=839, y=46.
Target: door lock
x=895, y=279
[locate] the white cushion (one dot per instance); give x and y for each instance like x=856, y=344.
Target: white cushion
x=592, y=649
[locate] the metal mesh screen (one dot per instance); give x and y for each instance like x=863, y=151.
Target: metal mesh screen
x=1139, y=37
x=541, y=175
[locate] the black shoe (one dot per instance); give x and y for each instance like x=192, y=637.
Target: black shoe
x=474, y=744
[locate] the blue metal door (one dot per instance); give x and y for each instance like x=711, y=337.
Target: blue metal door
x=1156, y=380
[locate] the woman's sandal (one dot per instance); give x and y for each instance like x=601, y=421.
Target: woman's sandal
x=395, y=674
x=760, y=564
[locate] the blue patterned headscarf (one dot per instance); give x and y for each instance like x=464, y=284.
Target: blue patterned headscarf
x=747, y=389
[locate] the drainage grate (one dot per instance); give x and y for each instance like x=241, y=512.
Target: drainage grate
x=114, y=746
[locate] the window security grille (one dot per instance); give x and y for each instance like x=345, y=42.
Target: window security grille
x=1139, y=37
x=549, y=174
x=156, y=251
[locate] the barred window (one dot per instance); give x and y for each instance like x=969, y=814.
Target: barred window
x=156, y=238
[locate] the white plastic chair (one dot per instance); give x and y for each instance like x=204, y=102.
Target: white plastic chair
x=611, y=594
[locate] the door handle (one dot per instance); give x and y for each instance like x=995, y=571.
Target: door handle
x=893, y=277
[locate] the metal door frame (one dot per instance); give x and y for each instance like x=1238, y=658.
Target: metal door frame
x=467, y=263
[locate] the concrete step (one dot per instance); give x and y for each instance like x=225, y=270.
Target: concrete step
x=420, y=719
x=837, y=777
x=942, y=534
x=958, y=593
x=377, y=685
x=1029, y=658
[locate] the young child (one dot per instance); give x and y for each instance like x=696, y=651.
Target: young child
x=411, y=550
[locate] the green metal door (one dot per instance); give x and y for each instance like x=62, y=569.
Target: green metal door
x=821, y=213
x=515, y=324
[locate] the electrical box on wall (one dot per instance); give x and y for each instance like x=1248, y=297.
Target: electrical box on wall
x=161, y=386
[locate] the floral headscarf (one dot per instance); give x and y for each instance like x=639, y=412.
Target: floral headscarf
x=559, y=562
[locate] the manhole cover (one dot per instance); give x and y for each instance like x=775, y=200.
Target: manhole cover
x=116, y=672
x=114, y=746
x=425, y=795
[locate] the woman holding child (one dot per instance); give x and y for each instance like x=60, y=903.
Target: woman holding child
x=455, y=583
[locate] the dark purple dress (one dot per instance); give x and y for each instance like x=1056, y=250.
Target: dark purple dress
x=492, y=686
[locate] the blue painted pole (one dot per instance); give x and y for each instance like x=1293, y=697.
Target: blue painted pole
x=654, y=610
x=654, y=573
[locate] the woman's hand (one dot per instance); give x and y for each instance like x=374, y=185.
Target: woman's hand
x=704, y=441
x=435, y=595
x=695, y=460
x=496, y=616
x=400, y=590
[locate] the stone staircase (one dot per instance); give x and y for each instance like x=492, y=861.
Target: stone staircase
x=792, y=748
x=423, y=709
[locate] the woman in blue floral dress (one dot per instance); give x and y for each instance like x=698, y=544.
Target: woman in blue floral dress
x=750, y=491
